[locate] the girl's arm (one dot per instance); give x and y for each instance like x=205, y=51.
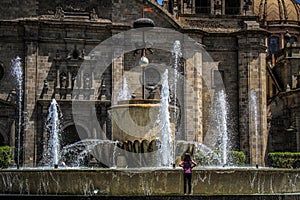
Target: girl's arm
x=180, y=164
x=195, y=164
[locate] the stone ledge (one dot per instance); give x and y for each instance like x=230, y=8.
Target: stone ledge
x=154, y=197
x=123, y=182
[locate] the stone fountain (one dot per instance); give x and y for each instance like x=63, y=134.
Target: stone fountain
x=145, y=133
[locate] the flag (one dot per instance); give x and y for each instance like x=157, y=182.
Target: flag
x=147, y=9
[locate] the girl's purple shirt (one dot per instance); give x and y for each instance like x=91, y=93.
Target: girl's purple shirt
x=187, y=166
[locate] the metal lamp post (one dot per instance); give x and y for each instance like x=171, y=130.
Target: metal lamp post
x=144, y=24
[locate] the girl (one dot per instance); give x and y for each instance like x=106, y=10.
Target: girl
x=187, y=164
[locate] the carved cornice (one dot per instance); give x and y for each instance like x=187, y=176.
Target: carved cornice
x=213, y=25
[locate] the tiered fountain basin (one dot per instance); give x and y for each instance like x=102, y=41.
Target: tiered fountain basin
x=137, y=129
x=145, y=181
x=136, y=120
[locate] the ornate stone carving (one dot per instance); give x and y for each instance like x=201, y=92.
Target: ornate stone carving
x=86, y=81
x=93, y=15
x=75, y=54
x=63, y=85
x=63, y=80
x=218, y=8
x=45, y=89
x=211, y=24
x=59, y=13
x=76, y=5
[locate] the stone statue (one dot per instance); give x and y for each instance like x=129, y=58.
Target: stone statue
x=63, y=80
x=45, y=89
x=59, y=13
x=87, y=81
x=93, y=15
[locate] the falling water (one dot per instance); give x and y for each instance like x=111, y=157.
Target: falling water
x=254, y=117
x=222, y=112
x=53, y=125
x=165, y=156
x=124, y=93
x=17, y=73
x=77, y=153
x=176, y=52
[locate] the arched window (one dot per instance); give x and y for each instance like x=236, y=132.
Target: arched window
x=202, y=6
x=273, y=44
x=232, y=7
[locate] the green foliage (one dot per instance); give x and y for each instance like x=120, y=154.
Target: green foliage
x=206, y=159
x=235, y=158
x=284, y=159
x=5, y=156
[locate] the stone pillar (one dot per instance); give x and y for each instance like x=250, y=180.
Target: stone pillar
x=193, y=98
x=223, y=7
x=30, y=98
x=117, y=76
x=297, y=128
x=212, y=7
x=193, y=10
x=252, y=81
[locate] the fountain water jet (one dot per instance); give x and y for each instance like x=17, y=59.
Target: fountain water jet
x=218, y=138
x=254, y=117
x=124, y=93
x=177, y=54
x=53, y=126
x=166, y=150
x=223, y=129
x=17, y=73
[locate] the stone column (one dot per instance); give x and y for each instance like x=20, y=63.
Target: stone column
x=223, y=7
x=30, y=97
x=297, y=130
x=117, y=75
x=193, y=98
x=252, y=81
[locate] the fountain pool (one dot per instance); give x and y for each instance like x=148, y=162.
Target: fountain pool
x=147, y=181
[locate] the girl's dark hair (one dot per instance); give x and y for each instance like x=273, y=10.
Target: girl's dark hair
x=187, y=157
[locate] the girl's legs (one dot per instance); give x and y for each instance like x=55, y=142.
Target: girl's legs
x=187, y=181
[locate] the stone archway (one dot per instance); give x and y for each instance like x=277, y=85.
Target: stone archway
x=72, y=134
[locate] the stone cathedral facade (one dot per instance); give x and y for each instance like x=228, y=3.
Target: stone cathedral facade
x=253, y=43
